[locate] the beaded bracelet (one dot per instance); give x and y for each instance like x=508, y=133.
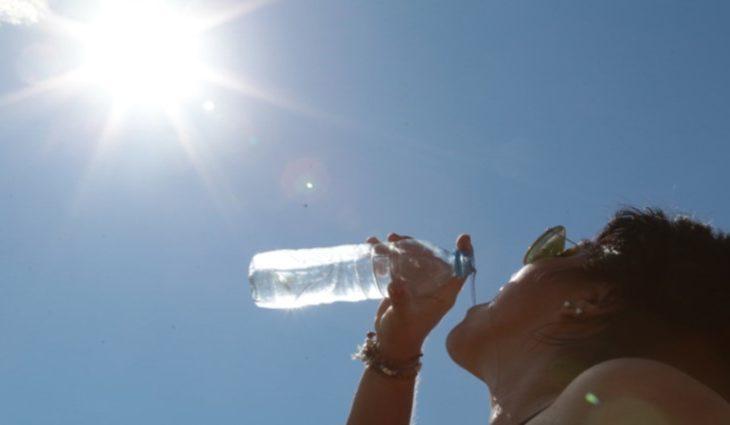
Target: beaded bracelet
x=369, y=353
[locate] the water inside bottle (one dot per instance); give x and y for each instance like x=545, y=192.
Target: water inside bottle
x=321, y=279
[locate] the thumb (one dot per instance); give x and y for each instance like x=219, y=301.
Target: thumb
x=451, y=289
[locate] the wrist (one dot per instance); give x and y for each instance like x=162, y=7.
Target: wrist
x=401, y=364
x=400, y=353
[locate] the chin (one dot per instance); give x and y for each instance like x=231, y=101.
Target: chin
x=465, y=341
x=464, y=348
x=456, y=344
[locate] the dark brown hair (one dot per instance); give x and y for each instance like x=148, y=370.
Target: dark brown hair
x=674, y=269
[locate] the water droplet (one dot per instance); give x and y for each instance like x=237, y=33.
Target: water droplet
x=310, y=185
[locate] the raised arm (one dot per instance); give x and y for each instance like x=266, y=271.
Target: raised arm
x=402, y=323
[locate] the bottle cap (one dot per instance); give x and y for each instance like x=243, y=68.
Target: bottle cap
x=464, y=264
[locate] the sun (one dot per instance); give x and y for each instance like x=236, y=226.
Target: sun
x=150, y=52
x=148, y=56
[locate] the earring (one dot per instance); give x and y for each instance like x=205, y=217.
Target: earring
x=578, y=310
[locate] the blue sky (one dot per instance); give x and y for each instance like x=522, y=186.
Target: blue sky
x=123, y=291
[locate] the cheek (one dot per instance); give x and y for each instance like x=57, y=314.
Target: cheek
x=522, y=309
x=507, y=306
x=517, y=301
x=508, y=316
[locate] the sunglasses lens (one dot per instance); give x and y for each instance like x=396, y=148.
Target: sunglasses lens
x=549, y=244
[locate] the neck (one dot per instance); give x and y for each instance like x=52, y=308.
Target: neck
x=523, y=385
x=531, y=378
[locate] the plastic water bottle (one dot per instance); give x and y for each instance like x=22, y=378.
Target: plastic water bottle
x=297, y=278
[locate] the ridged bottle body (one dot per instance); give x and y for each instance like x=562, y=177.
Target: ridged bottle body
x=301, y=277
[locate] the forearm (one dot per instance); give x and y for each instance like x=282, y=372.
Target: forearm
x=381, y=400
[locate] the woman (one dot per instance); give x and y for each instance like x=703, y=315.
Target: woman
x=629, y=328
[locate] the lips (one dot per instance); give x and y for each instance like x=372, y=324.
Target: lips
x=479, y=307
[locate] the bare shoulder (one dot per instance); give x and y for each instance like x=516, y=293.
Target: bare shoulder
x=636, y=391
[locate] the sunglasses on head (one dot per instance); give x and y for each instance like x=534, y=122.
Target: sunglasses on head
x=549, y=244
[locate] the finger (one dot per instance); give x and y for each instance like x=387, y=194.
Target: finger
x=381, y=308
x=394, y=237
x=455, y=283
x=450, y=290
x=379, y=247
x=372, y=240
x=400, y=295
x=463, y=243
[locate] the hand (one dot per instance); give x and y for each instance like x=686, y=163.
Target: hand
x=403, y=321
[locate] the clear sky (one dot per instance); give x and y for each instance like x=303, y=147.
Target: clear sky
x=126, y=229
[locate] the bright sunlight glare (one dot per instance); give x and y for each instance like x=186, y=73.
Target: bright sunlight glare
x=147, y=56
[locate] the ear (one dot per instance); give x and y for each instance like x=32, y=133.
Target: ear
x=592, y=300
